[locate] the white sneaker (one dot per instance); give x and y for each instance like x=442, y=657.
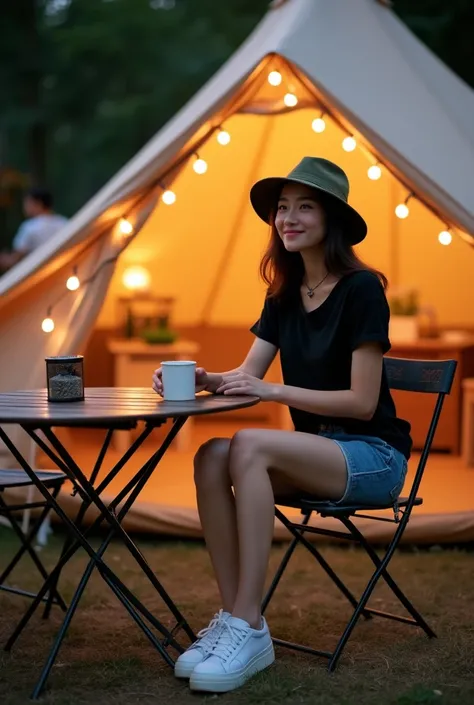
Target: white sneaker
x=239, y=653
x=198, y=651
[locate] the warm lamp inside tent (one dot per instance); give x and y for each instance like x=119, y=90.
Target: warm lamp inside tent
x=178, y=214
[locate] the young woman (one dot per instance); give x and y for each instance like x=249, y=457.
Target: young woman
x=327, y=314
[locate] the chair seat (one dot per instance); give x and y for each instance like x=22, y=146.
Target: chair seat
x=18, y=478
x=332, y=509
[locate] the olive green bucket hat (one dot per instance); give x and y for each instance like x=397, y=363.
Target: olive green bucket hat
x=322, y=175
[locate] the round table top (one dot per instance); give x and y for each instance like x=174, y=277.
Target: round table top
x=109, y=405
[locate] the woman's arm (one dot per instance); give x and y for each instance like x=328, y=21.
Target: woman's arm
x=358, y=402
x=256, y=364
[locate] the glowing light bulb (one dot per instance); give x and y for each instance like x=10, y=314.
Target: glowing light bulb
x=402, y=211
x=290, y=100
x=274, y=78
x=168, y=197
x=136, y=278
x=349, y=144
x=223, y=137
x=445, y=237
x=318, y=125
x=73, y=283
x=374, y=172
x=125, y=227
x=47, y=325
x=200, y=166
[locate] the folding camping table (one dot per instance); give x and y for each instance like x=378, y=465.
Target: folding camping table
x=110, y=409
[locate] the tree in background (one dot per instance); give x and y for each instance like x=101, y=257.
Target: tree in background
x=85, y=83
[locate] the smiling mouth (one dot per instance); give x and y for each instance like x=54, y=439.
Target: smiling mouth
x=293, y=232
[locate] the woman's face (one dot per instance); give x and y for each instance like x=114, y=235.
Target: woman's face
x=300, y=219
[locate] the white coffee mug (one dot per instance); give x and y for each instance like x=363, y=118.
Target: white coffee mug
x=179, y=380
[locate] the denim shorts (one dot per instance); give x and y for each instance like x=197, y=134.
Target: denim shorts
x=375, y=470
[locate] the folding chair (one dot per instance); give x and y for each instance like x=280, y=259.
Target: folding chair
x=10, y=479
x=424, y=376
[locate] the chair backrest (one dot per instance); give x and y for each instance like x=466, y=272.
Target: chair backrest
x=429, y=377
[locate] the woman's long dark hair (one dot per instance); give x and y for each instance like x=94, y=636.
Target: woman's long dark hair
x=283, y=271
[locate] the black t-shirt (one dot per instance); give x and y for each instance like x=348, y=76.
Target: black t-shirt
x=316, y=351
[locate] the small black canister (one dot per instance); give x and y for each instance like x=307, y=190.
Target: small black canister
x=65, y=378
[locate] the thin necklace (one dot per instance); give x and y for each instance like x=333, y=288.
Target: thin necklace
x=311, y=289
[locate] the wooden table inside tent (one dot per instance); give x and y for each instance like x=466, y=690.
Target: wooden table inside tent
x=107, y=408
x=134, y=363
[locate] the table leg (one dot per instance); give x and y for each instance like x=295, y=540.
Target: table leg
x=83, y=508
x=91, y=496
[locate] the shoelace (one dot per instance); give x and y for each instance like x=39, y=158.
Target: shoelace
x=209, y=634
x=229, y=639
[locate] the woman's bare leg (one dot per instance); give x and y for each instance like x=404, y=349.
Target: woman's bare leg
x=307, y=462
x=216, y=506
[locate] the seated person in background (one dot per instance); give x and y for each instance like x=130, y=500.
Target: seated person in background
x=41, y=224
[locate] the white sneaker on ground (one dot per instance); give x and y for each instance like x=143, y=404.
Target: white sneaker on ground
x=238, y=653
x=198, y=651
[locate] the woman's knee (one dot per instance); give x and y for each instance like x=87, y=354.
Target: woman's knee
x=211, y=460
x=247, y=446
x=248, y=441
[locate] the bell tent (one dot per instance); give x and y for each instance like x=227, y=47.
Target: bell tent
x=345, y=80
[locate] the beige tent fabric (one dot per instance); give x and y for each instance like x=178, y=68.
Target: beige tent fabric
x=381, y=79
x=353, y=53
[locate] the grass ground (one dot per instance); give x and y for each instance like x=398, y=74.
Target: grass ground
x=105, y=660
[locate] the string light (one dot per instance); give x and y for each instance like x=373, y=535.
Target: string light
x=223, y=137
x=73, y=282
x=349, y=144
x=374, y=172
x=200, y=166
x=168, y=197
x=274, y=78
x=318, y=124
x=290, y=100
x=47, y=324
x=402, y=211
x=125, y=227
x=445, y=237
x=140, y=279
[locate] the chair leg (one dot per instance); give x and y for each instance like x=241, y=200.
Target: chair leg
x=382, y=564
x=297, y=533
x=26, y=547
x=380, y=571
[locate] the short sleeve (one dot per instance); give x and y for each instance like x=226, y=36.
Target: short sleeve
x=369, y=312
x=22, y=240
x=267, y=327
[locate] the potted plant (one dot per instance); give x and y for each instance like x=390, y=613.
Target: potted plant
x=404, y=310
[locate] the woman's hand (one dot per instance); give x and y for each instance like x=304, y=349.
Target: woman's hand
x=202, y=380
x=241, y=383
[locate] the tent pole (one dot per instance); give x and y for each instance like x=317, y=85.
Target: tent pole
x=235, y=230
